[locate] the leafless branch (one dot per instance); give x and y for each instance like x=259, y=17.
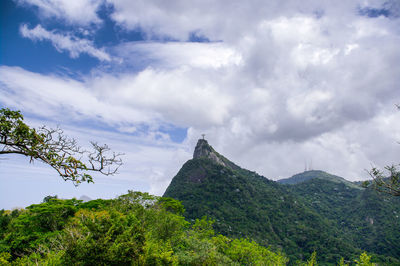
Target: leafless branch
x=390, y=183
x=63, y=154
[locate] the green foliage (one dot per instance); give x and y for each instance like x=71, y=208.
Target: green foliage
x=313, y=260
x=248, y=252
x=45, y=258
x=102, y=238
x=36, y=225
x=364, y=260
x=364, y=218
x=5, y=258
x=133, y=229
x=172, y=205
x=342, y=263
x=204, y=227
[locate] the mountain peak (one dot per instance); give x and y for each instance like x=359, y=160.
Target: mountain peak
x=204, y=150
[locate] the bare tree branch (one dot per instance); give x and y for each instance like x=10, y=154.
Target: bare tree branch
x=52, y=147
x=389, y=183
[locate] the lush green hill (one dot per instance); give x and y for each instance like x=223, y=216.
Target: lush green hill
x=245, y=204
x=370, y=220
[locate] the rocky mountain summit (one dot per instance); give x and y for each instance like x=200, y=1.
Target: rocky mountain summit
x=204, y=150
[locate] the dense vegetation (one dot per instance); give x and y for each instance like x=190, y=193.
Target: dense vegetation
x=134, y=229
x=369, y=219
x=245, y=204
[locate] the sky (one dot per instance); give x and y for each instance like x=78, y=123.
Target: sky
x=276, y=86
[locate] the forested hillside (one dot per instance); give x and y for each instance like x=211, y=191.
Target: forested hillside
x=296, y=219
x=370, y=220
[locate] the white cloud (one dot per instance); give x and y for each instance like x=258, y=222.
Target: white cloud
x=180, y=54
x=305, y=106
x=65, y=42
x=82, y=12
x=57, y=95
x=151, y=97
x=252, y=92
x=217, y=20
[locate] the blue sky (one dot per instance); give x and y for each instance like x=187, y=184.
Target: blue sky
x=273, y=85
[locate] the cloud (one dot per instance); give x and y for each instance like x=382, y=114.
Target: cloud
x=151, y=97
x=82, y=12
x=221, y=20
x=179, y=54
x=44, y=94
x=65, y=42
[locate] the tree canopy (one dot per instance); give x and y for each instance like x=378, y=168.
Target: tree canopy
x=53, y=147
x=133, y=229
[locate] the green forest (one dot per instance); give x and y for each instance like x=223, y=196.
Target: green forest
x=133, y=229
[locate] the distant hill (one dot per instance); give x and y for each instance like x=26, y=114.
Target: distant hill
x=308, y=175
x=85, y=198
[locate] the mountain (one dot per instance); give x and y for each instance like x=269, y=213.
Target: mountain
x=308, y=175
x=245, y=204
x=85, y=198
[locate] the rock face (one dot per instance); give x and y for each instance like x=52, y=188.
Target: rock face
x=204, y=150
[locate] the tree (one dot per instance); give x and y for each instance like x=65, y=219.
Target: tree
x=365, y=260
x=52, y=147
x=386, y=183
x=390, y=183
